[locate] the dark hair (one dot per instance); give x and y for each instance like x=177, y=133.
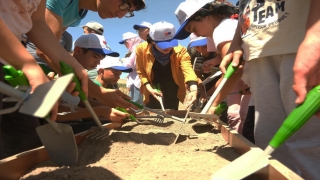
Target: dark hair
x=96, y=32
x=215, y=8
x=149, y=39
x=139, y=4
x=85, y=50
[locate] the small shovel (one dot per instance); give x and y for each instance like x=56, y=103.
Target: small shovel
x=254, y=160
x=58, y=139
x=213, y=117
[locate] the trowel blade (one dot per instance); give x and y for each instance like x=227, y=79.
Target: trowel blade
x=243, y=166
x=41, y=101
x=61, y=147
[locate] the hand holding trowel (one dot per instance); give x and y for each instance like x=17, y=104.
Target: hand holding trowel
x=158, y=89
x=99, y=131
x=214, y=117
x=254, y=160
x=58, y=139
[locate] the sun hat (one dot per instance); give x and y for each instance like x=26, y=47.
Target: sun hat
x=127, y=35
x=162, y=34
x=95, y=26
x=142, y=25
x=114, y=63
x=96, y=43
x=197, y=41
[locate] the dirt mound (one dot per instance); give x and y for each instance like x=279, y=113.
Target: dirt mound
x=146, y=152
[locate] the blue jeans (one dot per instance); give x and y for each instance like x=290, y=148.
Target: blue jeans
x=135, y=94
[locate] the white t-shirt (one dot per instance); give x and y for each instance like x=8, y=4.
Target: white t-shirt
x=224, y=31
x=272, y=27
x=17, y=16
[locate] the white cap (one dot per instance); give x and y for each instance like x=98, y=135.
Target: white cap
x=96, y=43
x=127, y=35
x=95, y=26
x=184, y=11
x=197, y=40
x=162, y=33
x=142, y=25
x=114, y=63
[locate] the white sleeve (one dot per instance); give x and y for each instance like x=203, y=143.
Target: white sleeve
x=225, y=31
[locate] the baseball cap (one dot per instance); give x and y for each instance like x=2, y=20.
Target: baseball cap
x=95, y=26
x=142, y=25
x=197, y=41
x=96, y=43
x=162, y=34
x=127, y=35
x=183, y=13
x=114, y=63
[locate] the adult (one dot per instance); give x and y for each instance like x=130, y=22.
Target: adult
x=162, y=61
x=131, y=41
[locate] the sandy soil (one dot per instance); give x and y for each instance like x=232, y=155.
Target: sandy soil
x=146, y=152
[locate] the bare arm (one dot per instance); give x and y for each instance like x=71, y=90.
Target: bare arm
x=307, y=64
x=102, y=111
x=48, y=47
x=16, y=55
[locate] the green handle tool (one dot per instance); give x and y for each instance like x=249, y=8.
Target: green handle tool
x=125, y=111
x=298, y=117
x=220, y=108
x=227, y=75
x=66, y=69
x=15, y=77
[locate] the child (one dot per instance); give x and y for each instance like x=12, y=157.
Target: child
x=109, y=72
x=89, y=50
x=16, y=19
x=271, y=63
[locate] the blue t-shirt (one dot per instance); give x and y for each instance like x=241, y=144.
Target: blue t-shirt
x=68, y=10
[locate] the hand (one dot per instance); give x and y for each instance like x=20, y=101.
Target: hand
x=115, y=98
x=36, y=77
x=69, y=89
x=113, y=114
x=154, y=92
x=306, y=67
x=191, y=98
x=207, y=66
x=233, y=57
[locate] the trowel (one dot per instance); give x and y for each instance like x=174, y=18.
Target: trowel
x=254, y=160
x=57, y=138
x=212, y=117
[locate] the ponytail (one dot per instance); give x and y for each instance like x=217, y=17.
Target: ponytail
x=149, y=40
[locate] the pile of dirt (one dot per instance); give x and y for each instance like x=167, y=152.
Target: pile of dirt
x=146, y=152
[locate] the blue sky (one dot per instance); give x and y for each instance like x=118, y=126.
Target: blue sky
x=157, y=10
